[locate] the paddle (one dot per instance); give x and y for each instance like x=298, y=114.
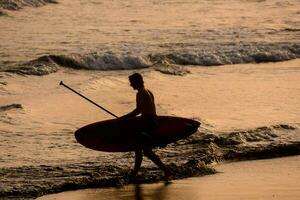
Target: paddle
x=62, y=83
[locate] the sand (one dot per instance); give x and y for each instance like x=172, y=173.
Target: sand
x=261, y=179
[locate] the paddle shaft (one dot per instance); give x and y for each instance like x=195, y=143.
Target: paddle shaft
x=61, y=83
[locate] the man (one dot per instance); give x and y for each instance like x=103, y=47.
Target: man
x=145, y=106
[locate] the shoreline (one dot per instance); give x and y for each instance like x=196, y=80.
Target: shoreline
x=260, y=179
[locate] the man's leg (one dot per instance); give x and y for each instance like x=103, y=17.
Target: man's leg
x=138, y=161
x=152, y=156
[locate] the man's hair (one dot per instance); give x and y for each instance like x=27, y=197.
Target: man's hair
x=136, y=78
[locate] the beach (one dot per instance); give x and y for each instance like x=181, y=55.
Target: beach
x=233, y=66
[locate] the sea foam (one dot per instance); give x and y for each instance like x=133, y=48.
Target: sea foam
x=219, y=55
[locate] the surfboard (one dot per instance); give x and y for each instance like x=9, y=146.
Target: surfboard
x=122, y=135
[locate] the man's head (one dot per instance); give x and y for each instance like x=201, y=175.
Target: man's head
x=136, y=81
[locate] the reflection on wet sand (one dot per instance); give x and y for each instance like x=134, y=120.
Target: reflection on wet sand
x=156, y=191
x=262, y=179
x=159, y=193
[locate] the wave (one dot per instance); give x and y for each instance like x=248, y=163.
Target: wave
x=41, y=66
x=106, y=61
x=19, y=4
x=191, y=155
x=95, y=61
x=9, y=107
x=219, y=55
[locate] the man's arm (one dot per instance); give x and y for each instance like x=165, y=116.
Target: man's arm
x=137, y=110
x=134, y=113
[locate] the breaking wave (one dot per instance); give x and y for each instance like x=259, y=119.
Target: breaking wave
x=241, y=54
x=49, y=64
x=222, y=55
x=192, y=157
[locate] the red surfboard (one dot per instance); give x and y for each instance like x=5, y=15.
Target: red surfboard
x=122, y=135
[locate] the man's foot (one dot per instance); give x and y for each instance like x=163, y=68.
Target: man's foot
x=133, y=174
x=168, y=176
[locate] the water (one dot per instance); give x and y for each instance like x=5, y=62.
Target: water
x=86, y=43
x=186, y=32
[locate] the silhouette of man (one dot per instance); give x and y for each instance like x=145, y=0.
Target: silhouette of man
x=145, y=106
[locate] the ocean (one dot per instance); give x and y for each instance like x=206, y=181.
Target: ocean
x=233, y=65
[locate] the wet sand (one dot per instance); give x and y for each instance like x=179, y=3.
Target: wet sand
x=260, y=179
